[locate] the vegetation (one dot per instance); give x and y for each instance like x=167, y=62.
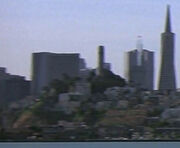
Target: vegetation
x=100, y=83
x=154, y=113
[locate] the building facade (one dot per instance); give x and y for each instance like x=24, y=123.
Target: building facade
x=49, y=66
x=167, y=79
x=82, y=64
x=140, y=68
x=12, y=87
x=107, y=66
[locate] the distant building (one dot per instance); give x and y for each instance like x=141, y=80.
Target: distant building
x=140, y=67
x=85, y=73
x=83, y=88
x=12, y=87
x=167, y=79
x=100, y=65
x=107, y=66
x=69, y=102
x=49, y=66
x=82, y=63
x=3, y=73
x=101, y=61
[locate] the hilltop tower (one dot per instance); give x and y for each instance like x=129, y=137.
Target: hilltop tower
x=100, y=60
x=167, y=80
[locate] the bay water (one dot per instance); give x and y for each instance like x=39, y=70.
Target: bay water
x=90, y=145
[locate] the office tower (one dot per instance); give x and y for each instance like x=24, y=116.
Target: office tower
x=167, y=79
x=49, y=66
x=140, y=67
x=100, y=60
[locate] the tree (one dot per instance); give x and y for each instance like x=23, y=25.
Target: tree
x=108, y=79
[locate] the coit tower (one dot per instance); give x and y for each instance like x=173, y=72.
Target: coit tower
x=167, y=80
x=100, y=60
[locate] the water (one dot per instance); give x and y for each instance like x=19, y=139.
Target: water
x=92, y=145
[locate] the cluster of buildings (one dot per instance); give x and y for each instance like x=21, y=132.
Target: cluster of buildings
x=47, y=67
x=139, y=65
x=140, y=62
x=150, y=113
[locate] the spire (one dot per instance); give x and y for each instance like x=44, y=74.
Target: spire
x=139, y=44
x=139, y=50
x=168, y=21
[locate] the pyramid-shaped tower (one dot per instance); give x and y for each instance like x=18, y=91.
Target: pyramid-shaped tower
x=167, y=80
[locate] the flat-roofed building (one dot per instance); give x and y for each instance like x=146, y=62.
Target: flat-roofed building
x=49, y=66
x=140, y=67
x=12, y=87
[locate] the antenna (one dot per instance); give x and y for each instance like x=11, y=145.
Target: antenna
x=139, y=47
x=139, y=44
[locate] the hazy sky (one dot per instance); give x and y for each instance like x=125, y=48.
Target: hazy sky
x=28, y=26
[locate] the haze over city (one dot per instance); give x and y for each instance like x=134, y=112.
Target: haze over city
x=65, y=26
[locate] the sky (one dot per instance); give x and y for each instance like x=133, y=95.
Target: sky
x=80, y=26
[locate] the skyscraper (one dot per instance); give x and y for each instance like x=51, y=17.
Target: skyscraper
x=140, y=67
x=49, y=66
x=167, y=79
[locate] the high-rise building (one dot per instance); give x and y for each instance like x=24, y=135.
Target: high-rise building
x=49, y=66
x=140, y=67
x=167, y=80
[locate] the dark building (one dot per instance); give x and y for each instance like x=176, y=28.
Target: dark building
x=107, y=66
x=140, y=67
x=82, y=63
x=49, y=66
x=12, y=87
x=102, y=65
x=167, y=80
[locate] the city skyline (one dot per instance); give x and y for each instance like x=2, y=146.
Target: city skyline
x=80, y=27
